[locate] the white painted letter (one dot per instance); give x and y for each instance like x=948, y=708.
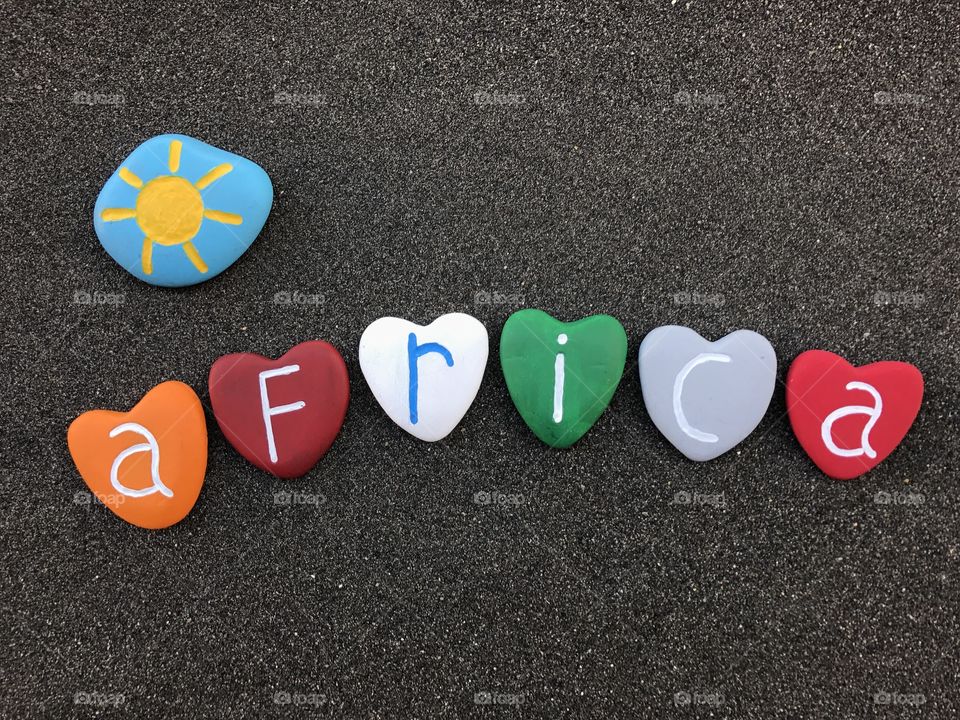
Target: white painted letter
x=149, y=446
x=678, y=395
x=873, y=412
x=269, y=412
x=558, y=381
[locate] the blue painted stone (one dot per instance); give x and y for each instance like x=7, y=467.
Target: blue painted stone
x=178, y=211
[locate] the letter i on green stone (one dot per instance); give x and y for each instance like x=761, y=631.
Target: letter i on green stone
x=561, y=376
x=558, y=381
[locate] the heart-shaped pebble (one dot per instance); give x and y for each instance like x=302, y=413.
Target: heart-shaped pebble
x=178, y=211
x=282, y=415
x=146, y=465
x=849, y=418
x=706, y=397
x=561, y=376
x=425, y=377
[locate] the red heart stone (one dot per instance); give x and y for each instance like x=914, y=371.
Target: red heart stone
x=849, y=418
x=282, y=415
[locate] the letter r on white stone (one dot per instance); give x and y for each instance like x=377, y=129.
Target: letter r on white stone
x=269, y=412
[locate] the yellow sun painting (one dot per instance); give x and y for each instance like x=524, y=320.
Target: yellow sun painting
x=169, y=209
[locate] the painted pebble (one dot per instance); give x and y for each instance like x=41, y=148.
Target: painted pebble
x=425, y=377
x=178, y=211
x=706, y=397
x=146, y=465
x=561, y=376
x=282, y=415
x=847, y=418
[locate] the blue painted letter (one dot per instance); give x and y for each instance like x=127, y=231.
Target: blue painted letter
x=414, y=352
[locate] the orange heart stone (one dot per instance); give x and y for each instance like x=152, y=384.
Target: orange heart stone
x=146, y=465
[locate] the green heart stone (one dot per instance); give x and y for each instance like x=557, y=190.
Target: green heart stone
x=561, y=376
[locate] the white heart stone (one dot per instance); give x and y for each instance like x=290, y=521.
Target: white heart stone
x=706, y=397
x=425, y=377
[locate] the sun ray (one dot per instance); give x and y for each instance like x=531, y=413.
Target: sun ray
x=213, y=175
x=147, y=256
x=114, y=214
x=228, y=218
x=130, y=179
x=194, y=256
x=175, y=147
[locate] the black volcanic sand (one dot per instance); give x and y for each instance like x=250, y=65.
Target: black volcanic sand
x=793, y=170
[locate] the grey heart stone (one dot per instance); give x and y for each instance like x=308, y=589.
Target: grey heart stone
x=706, y=397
